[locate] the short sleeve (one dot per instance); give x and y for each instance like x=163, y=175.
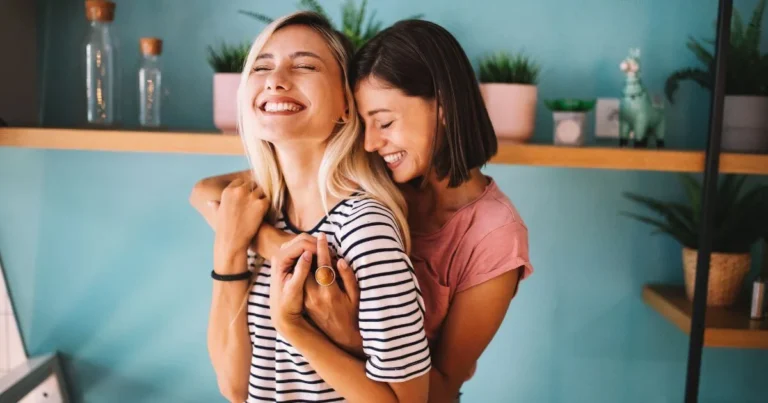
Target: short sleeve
x=391, y=316
x=501, y=250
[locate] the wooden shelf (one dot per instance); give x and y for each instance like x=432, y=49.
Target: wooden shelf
x=509, y=153
x=125, y=141
x=725, y=327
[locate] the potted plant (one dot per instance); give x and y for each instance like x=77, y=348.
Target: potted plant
x=745, y=121
x=352, y=23
x=739, y=221
x=227, y=63
x=570, y=117
x=508, y=86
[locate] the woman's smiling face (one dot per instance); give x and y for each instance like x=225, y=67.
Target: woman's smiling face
x=294, y=89
x=400, y=128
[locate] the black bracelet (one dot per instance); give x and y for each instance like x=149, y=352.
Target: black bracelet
x=231, y=277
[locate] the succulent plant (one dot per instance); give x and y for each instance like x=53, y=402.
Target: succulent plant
x=502, y=67
x=739, y=220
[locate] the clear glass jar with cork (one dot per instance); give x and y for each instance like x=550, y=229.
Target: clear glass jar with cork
x=150, y=82
x=100, y=63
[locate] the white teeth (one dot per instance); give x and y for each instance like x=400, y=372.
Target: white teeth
x=281, y=107
x=392, y=158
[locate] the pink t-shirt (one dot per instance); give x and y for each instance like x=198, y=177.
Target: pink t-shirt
x=484, y=239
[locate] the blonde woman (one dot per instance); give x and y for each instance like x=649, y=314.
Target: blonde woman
x=311, y=174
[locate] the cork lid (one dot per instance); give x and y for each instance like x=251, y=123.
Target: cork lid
x=151, y=46
x=99, y=10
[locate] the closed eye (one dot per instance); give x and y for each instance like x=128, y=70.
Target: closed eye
x=306, y=67
x=260, y=68
x=386, y=125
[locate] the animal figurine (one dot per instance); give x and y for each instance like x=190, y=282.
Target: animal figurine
x=637, y=113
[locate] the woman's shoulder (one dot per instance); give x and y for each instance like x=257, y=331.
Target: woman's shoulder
x=360, y=203
x=494, y=212
x=495, y=242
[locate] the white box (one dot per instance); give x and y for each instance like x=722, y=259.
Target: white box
x=607, y=118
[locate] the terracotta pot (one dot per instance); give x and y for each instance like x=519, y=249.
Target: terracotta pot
x=745, y=124
x=512, y=109
x=225, y=101
x=726, y=275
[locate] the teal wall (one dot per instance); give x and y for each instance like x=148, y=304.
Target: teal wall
x=108, y=263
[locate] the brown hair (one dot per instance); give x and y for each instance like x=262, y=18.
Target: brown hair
x=423, y=59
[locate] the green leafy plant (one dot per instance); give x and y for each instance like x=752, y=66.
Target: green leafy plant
x=746, y=67
x=570, y=105
x=502, y=67
x=354, y=24
x=228, y=58
x=739, y=220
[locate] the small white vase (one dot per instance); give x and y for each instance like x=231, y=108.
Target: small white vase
x=745, y=124
x=569, y=128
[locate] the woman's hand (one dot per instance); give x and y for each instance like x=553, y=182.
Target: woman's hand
x=290, y=267
x=238, y=218
x=334, y=309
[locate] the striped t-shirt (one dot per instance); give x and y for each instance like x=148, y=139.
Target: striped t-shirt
x=391, y=312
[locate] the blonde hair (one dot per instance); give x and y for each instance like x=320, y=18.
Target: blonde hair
x=346, y=167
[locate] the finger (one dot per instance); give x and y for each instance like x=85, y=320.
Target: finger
x=214, y=204
x=301, y=238
x=323, y=254
x=300, y=272
x=288, y=256
x=256, y=191
x=349, y=279
x=235, y=183
x=311, y=286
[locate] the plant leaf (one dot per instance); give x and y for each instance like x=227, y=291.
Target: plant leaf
x=701, y=53
x=752, y=34
x=360, y=17
x=737, y=29
x=261, y=17
x=701, y=77
x=693, y=191
x=727, y=194
x=662, y=227
x=314, y=6
x=677, y=215
x=502, y=67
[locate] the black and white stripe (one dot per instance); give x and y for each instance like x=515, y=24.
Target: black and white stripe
x=391, y=319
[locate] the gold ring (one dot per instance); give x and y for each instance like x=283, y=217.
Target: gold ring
x=325, y=275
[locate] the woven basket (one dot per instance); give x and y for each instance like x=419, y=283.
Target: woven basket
x=726, y=275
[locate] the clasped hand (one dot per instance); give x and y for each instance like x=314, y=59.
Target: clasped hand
x=296, y=298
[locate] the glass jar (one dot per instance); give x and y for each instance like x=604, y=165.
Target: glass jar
x=150, y=82
x=100, y=63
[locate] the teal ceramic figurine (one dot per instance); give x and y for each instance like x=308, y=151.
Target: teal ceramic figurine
x=637, y=113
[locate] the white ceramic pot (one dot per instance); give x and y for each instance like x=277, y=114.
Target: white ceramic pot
x=225, y=101
x=569, y=128
x=512, y=109
x=745, y=124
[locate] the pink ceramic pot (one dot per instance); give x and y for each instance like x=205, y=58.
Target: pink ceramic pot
x=225, y=101
x=512, y=108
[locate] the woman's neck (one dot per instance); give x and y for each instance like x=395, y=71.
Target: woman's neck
x=300, y=166
x=431, y=207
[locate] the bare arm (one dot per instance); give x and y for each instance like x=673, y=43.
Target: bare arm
x=346, y=373
x=210, y=189
x=229, y=346
x=237, y=220
x=473, y=319
x=206, y=191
